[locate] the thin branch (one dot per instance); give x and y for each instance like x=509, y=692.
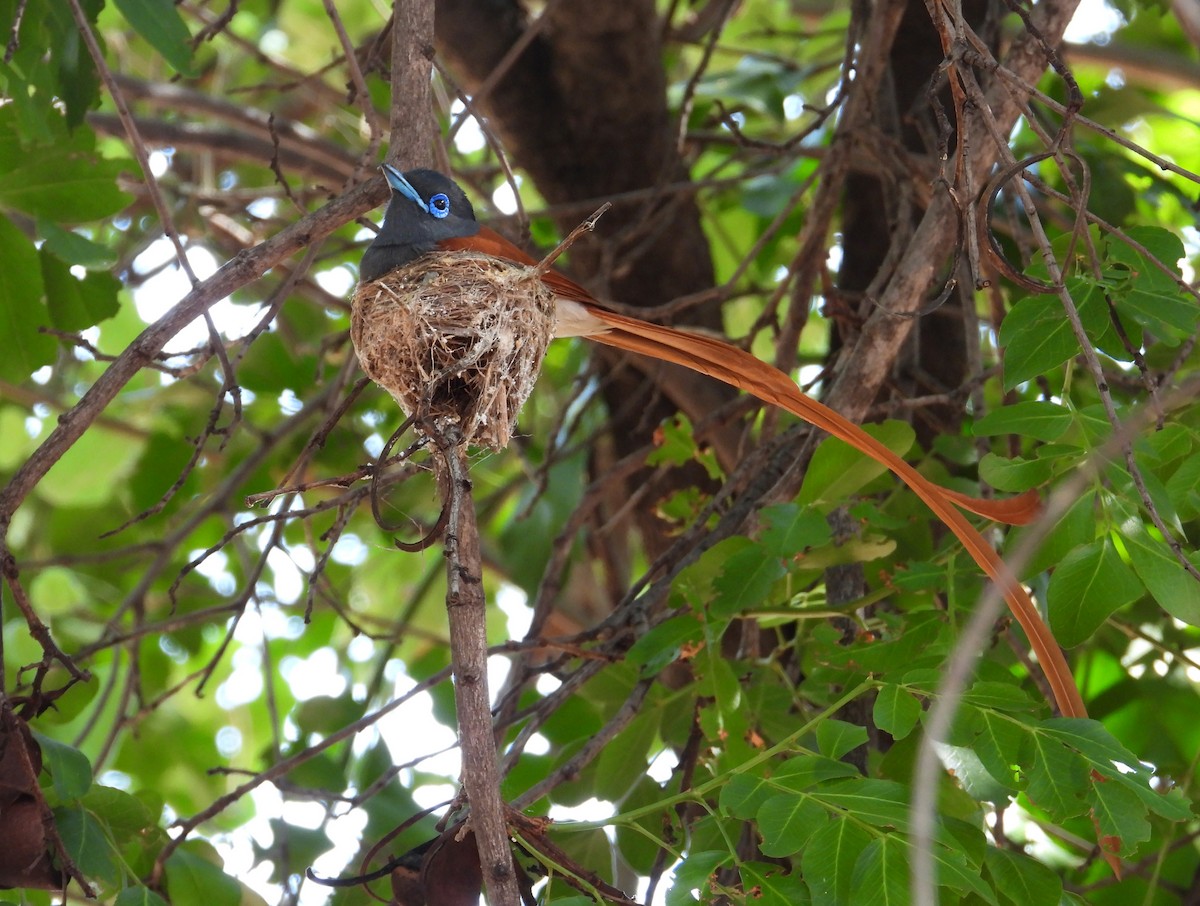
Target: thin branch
x=235, y=274
x=466, y=607
x=135, y=139
x=282, y=768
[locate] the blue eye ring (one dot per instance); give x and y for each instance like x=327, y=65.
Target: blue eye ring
x=439, y=205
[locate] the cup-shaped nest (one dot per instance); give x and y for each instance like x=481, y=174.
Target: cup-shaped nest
x=458, y=338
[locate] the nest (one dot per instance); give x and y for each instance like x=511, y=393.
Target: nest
x=458, y=339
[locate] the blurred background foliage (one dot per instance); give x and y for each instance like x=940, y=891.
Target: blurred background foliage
x=266, y=685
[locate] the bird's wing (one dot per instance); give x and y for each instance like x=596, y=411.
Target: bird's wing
x=488, y=242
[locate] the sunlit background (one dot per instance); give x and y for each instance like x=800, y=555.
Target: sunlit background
x=413, y=735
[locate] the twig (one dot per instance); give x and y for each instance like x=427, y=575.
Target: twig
x=1057, y=286
x=570, y=769
x=958, y=670
x=586, y=227
x=236, y=273
x=37, y=629
x=135, y=139
x=360, y=94
x=466, y=609
x=725, y=11
x=282, y=768
x=14, y=39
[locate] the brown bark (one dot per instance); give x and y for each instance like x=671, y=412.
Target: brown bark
x=466, y=606
x=583, y=110
x=875, y=348
x=935, y=358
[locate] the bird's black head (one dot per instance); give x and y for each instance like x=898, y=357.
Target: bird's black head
x=426, y=208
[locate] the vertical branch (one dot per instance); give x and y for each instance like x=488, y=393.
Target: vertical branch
x=411, y=138
x=466, y=606
x=412, y=129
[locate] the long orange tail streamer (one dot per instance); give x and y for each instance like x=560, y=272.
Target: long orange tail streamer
x=733, y=366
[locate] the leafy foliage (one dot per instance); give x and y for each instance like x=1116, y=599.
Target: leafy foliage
x=233, y=676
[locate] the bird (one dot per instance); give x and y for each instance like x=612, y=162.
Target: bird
x=429, y=214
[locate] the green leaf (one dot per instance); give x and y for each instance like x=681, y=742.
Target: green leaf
x=304, y=846
x=1058, y=779
x=1119, y=813
x=745, y=582
x=675, y=444
x=324, y=714
x=662, y=644
x=74, y=703
x=791, y=529
x=1172, y=443
x=76, y=304
x=124, y=815
x=922, y=636
x=1106, y=756
x=17, y=442
x=1021, y=880
x=1038, y=419
x=1037, y=335
x=1000, y=696
x=194, y=878
x=883, y=803
x=1183, y=487
x=768, y=884
x=1166, y=311
x=1151, y=297
x=1176, y=591
x=837, y=737
x=272, y=366
x=1076, y=528
x=742, y=796
x=87, y=844
x=1088, y=587
x=72, y=480
x=837, y=470
x=788, y=822
x=995, y=739
x=73, y=248
x=22, y=311
x=958, y=869
x=67, y=766
x=969, y=770
x=159, y=22
x=758, y=84
x=1014, y=474
x=829, y=859
x=717, y=679
x=803, y=771
x=56, y=591
x=26, y=79
x=162, y=461
x=896, y=711
x=620, y=766
x=880, y=875
x=78, y=83
x=693, y=874
x=64, y=185
x=138, y=896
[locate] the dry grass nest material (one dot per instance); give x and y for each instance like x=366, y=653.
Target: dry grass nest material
x=457, y=338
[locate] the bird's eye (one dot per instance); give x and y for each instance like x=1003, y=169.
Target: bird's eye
x=439, y=205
